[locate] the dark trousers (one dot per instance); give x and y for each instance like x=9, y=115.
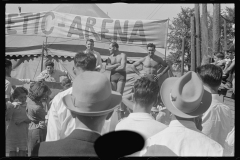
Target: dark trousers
x=35, y=136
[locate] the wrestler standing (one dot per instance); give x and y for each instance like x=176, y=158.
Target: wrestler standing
x=90, y=49
x=151, y=65
x=116, y=63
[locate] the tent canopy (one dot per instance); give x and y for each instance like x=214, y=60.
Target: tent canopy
x=32, y=45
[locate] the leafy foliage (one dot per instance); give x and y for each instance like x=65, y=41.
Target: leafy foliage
x=179, y=28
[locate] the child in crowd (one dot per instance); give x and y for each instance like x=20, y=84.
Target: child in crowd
x=228, y=60
x=17, y=131
x=219, y=60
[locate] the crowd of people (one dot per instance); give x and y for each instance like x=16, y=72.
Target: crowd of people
x=177, y=116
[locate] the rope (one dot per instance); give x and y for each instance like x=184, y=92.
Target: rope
x=152, y=12
x=157, y=10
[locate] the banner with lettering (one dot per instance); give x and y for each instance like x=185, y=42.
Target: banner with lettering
x=54, y=24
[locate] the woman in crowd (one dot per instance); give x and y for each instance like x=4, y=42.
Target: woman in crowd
x=17, y=130
x=38, y=93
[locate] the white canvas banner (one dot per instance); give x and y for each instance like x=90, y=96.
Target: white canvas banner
x=53, y=24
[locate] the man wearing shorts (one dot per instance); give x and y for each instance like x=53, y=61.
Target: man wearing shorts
x=116, y=63
x=152, y=65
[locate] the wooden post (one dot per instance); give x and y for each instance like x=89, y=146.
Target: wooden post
x=198, y=47
x=166, y=41
x=193, y=53
x=183, y=52
x=42, y=57
x=216, y=27
x=225, y=34
x=204, y=26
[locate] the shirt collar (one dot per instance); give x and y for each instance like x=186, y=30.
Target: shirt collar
x=85, y=135
x=217, y=97
x=141, y=115
x=89, y=130
x=182, y=123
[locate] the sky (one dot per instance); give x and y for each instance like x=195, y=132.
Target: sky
x=124, y=10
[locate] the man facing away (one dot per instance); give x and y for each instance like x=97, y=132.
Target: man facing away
x=89, y=104
x=144, y=97
x=186, y=98
x=90, y=49
x=217, y=120
x=116, y=63
x=151, y=65
x=60, y=122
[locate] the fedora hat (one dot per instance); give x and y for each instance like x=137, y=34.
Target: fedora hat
x=186, y=96
x=92, y=95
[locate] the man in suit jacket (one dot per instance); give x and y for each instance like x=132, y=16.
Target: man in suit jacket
x=90, y=102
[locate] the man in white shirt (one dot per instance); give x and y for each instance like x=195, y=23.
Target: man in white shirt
x=90, y=49
x=60, y=121
x=186, y=98
x=217, y=120
x=50, y=74
x=11, y=82
x=140, y=121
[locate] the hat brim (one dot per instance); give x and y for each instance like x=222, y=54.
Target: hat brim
x=165, y=95
x=110, y=104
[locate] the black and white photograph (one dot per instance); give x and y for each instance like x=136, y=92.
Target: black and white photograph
x=119, y=80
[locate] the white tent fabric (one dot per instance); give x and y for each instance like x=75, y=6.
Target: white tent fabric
x=30, y=45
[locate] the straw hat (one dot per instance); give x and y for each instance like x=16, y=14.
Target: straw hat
x=185, y=96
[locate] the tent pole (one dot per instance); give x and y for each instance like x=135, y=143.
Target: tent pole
x=42, y=57
x=166, y=41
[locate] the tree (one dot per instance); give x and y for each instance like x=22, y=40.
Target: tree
x=229, y=15
x=179, y=28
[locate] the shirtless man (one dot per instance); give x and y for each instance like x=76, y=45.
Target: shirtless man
x=116, y=63
x=151, y=65
x=90, y=49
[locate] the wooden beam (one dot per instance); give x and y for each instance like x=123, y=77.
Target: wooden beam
x=204, y=26
x=198, y=35
x=183, y=52
x=193, y=57
x=225, y=34
x=42, y=57
x=216, y=27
